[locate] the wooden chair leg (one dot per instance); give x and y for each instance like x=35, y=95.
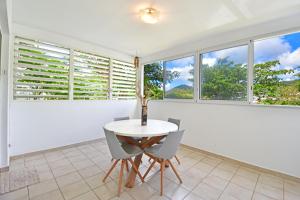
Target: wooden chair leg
x=175, y=171
x=110, y=170
x=121, y=177
x=136, y=169
x=177, y=159
x=126, y=165
x=162, y=169
x=150, y=167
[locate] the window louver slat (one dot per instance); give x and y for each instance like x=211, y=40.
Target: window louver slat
x=40, y=70
x=123, y=80
x=91, y=76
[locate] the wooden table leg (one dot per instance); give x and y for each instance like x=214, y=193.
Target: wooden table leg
x=132, y=175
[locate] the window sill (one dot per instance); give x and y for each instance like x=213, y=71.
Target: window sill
x=230, y=103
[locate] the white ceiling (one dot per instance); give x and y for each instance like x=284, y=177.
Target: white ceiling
x=115, y=23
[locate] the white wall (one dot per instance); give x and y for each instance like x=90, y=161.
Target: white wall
x=260, y=135
x=44, y=124
x=39, y=125
x=5, y=19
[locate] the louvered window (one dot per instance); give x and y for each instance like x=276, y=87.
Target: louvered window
x=45, y=71
x=123, y=80
x=91, y=76
x=41, y=70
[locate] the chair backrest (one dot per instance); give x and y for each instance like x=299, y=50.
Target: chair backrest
x=121, y=118
x=174, y=121
x=115, y=148
x=170, y=145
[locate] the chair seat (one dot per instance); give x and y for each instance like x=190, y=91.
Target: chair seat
x=132, y=150
x=153, y=150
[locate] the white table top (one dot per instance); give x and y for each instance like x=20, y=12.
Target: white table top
x=133, y=128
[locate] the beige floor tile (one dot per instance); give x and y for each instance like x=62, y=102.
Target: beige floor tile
x=204, y=167
x=207, y=192
x=224, y=174
x=123, y=196
x=244, y=182
x=143, y=191
x=215, y=182
x=87, y=196
x=68, y=179
x=292, y=187
x=107, y=191
x=45, y=175
x=96, y=180
x=291, y=196
x=42, y=188
x=195, y=172
x=89, y=171
x=158, y=197
x=269, y=191
x=21, y=194
x=52, y=195
x=75, y=189
x=59, y=163
x=190, y=183
x=83, y=164
x=77, y=158
x=154, y=181
x=193, y=196
x=60, y=171
x=258, y=196
x=271, y=180
x=175, y=191
x=237, y=192
x=211, y=161
x=228, y=166
x=248, y=173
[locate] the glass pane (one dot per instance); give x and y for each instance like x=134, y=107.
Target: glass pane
x=224, y=74
x=153, y=80
x=179, y=78
x=277, y=71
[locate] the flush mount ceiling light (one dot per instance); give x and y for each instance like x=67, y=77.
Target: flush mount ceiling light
x=149, y=15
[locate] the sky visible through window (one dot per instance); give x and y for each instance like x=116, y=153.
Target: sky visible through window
x=285, y=49
x=184, y=66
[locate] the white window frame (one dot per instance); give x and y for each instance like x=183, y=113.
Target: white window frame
x=220, y=48
x=164, y=69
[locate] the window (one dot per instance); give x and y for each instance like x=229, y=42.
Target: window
x=123, y=80
x=45, y=71
x=41, y=70
x=277, y=70
x=179, y=78
x=91, y=76
x=224, y=74
x=171, y=79
x=153, y=80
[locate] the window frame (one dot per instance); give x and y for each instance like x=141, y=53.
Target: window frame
x=164, y=83
x=250, y=73
x=220, y=48
x=170, y=58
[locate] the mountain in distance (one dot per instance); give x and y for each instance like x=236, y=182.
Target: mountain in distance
x=180, y=92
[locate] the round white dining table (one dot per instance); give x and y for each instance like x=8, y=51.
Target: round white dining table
x=133, y=128
x=152, y=133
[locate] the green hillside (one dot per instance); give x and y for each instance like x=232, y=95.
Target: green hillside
x=180, y=92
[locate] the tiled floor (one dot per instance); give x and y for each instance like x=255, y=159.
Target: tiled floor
x=76, y=173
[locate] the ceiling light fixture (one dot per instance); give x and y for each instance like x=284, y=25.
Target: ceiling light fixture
x=149, y=15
